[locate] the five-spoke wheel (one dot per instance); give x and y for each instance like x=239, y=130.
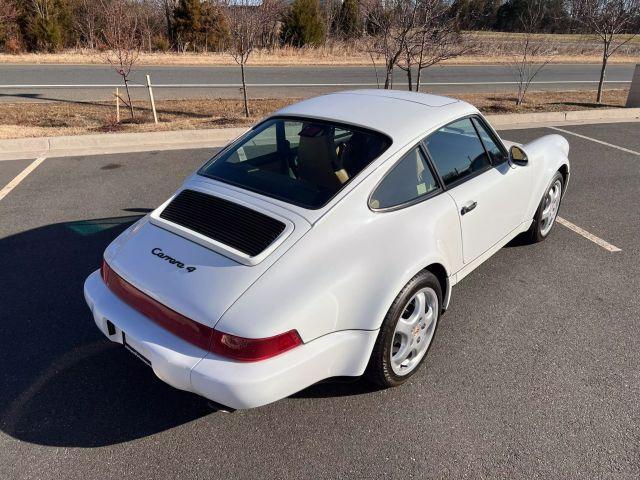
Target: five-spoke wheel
x=551, y=206
x=547, y=211
x=414, y=331
x=407, y=331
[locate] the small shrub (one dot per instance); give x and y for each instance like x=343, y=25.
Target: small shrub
x=303, y=24
x=161, y=43
x=13, y=46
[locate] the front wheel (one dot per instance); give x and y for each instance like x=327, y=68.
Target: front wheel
x=407, y=331
x=547, y=210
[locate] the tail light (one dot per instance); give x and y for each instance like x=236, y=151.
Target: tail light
x=253, y=349
x=202, y=336
x=104, y=270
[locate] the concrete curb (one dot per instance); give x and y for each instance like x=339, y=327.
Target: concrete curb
x=123, y=142
x=115, y=140
x=501, y=121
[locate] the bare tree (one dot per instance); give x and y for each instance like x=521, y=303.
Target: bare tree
x=86, y=19
x=367, y=44
x=609, y=20
x=331, y=10
x=121, y=40
x=434, y=39
x=530, y=56
x=270, y=29
x=391, y=23
x=246, y=19
x=169, y=6
x=8, y=16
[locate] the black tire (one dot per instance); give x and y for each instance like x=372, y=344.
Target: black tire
x=535, y=233
x=379, y=369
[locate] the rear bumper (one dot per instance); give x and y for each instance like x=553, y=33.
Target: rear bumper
x=231, y=383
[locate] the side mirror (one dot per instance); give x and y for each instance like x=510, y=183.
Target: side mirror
x=518, y=155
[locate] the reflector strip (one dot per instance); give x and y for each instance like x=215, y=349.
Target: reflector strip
x=176, y=323
x=224, y=344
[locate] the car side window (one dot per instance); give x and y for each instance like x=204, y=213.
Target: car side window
x=408, y=180
x=456, y=151
x=497, y=154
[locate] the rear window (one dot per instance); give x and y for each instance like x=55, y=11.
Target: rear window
x=301, y=161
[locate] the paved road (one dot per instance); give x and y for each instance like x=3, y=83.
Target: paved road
x=533, y=373
x=305, y=80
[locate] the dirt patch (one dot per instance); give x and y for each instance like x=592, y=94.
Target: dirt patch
x=20, y=120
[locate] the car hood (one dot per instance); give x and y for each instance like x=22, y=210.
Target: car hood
x=193, y=278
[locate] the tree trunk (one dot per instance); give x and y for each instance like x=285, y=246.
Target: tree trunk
x=244, y=91
x=419, y=73
x=605, y=58
x=388, y=81
x=409, y=78
x=375, y=69
x=522, y=90
x=126, y=86
x=167, y=13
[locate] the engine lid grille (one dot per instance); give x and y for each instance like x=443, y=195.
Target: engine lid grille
x=235, y=225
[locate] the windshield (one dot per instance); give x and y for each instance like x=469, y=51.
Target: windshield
x=301, y=161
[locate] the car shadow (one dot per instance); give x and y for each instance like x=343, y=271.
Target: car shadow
x=338, y=387
x=61, y=382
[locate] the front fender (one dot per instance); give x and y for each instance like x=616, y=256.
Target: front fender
x=546, y=155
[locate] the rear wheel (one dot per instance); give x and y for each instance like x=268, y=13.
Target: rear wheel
x=407, y=331
x=547, y=210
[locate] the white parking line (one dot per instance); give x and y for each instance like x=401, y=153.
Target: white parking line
x=21, y=176
x=589, y=236
x=595, y=140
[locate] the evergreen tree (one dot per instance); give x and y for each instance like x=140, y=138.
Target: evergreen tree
x=45, y=24
x=349, y=22
x=475, y=14
x=554, y=19
x=213, y=26
x=187, y=18
x=303, y=25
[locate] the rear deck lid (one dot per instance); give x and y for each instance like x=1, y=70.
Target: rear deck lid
x=188, y=264
x=242, y=229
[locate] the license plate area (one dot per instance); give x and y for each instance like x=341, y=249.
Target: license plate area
x=134, y=351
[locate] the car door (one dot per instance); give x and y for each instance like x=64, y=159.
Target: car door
x=479, y=181
x=516, y=180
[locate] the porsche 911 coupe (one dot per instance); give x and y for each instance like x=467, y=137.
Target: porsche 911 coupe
x=324, y=242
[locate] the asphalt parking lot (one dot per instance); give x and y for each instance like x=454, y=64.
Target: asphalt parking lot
x=534, y=372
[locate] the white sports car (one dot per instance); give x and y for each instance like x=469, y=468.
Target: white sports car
x=324, y=242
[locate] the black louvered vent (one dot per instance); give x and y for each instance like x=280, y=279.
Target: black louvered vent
x=226, y=222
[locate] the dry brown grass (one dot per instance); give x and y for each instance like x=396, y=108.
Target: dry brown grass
x=20, y=120
x=493, y=48
x=545, y=101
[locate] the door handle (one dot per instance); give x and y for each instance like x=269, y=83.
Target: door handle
x=467, y=208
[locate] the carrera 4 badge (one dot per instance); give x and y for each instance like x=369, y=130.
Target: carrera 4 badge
x=160, y=254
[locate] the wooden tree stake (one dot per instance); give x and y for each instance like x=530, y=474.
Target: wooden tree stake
x=153, y=102
x=117, y=105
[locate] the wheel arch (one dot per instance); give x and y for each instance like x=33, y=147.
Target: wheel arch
x=441, y=274
x=564, y=171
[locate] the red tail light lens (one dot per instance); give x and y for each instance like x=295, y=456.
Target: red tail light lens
x=176, y=323
x=202, y=336
x=253, y=349
x=104, y=270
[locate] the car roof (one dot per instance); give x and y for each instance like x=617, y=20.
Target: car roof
x=401, y=115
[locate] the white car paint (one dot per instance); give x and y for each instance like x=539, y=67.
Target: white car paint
x=332, y=274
